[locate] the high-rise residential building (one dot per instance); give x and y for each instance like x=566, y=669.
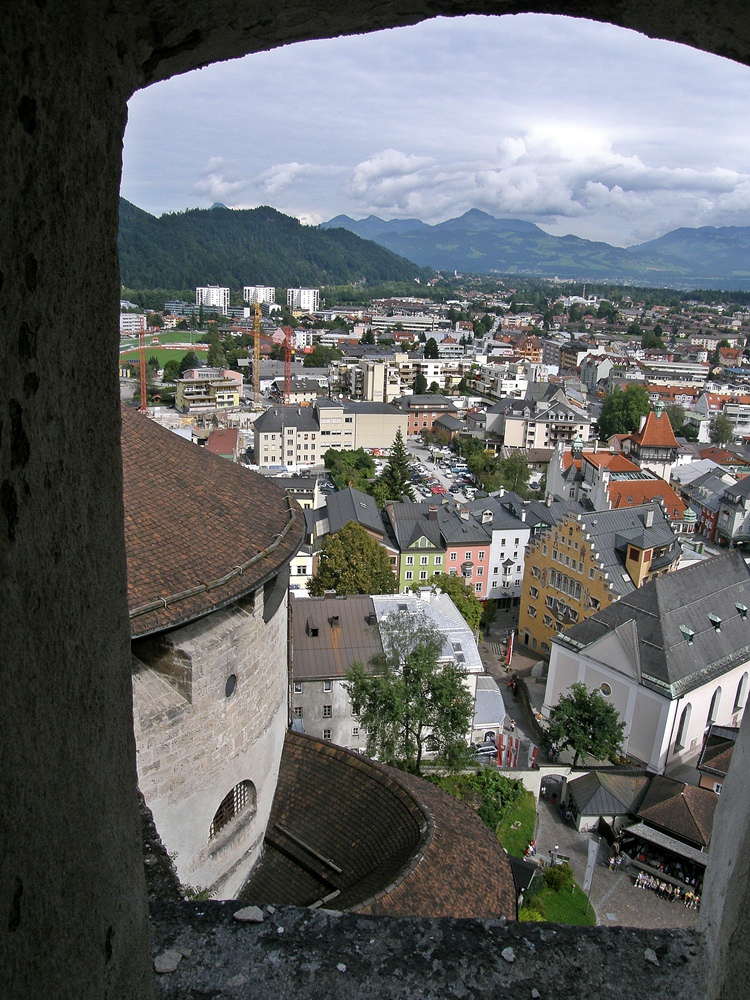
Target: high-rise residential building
x=259, y=293
x=303, y=299
x=213, y=297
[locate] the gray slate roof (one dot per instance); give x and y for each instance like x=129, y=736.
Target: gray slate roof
x=600, y=794
x=611, y=531
x=503, y=518
x=648, y=623
x=351, y=504
x=489, y=707
x=276, y=418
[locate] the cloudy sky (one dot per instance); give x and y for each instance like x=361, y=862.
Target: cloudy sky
x=579, y=127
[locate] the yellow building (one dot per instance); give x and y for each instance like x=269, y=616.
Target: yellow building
x=201, y=395
x=588, y=561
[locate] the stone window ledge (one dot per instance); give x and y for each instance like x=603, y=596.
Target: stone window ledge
x=300, y=953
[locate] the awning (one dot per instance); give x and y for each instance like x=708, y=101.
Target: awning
x=667, y=843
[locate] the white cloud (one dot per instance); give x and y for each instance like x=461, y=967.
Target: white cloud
x=281, y=176
x=561, y=121
x=215, y=184
x=548, y=175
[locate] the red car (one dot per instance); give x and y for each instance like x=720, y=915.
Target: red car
x=438, y=490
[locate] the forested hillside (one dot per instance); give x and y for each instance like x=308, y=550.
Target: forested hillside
x=221, y=246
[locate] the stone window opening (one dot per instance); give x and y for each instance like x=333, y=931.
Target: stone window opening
x=241, y=798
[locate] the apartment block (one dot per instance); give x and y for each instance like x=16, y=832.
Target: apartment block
x=303, y=300
x=213, y=297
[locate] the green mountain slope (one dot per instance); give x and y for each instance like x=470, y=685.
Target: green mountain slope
x=242, y=247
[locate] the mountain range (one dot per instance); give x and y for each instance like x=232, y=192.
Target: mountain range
x=237, y=247
x=477, y=242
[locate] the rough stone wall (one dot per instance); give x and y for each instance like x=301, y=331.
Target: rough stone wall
x=191, y=754
x=73, y=917
x=72, y=895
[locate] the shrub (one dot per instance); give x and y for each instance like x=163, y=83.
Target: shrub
x=529, y=913
x=558, y=877
x=536, y=903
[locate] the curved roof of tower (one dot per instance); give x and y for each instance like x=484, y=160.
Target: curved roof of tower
x=200, y=531
x=349, y=833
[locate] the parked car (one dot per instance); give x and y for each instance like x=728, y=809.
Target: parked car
x=485, y=752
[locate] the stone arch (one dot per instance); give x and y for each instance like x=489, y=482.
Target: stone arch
x=66, y=74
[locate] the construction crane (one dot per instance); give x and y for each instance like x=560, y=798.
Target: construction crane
x=143, y=408
x=283, y=336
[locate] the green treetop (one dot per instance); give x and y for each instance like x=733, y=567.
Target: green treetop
x=395, y=480
x=352, y=562
x=460, y=593
x=189, y=360
x=721, y=430
x=622, y=411
x=409, y=701
x=584, y=722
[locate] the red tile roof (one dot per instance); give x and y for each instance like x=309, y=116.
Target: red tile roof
x=656, y=432
x=683, y=810
x=399, y=846
x=223, y=441
x=199, y=531
x=633, y=493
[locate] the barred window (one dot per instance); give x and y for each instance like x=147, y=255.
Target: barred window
x=298, y=712
x=326, y=734
x=327, y=711
x=241, y=798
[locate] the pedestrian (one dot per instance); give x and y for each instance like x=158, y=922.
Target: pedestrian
x=513, y=725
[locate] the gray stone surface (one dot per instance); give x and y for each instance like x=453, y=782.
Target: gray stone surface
x=396, y=959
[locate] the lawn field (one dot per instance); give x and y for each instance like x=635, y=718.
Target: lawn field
x=566, y=907
x=515, y=841
x=163, y=354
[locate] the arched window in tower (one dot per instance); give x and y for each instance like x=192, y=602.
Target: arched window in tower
x=713, y=712
x=683, y=727
x=241, y=799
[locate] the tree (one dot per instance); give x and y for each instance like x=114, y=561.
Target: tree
x=350, y=468
x=650, y=339
x=460, y=593
x=622, y=411
x=395, y=479
x=515, y=473
x=584, y=722
x=721, y=429
x=368, y=337
x=420, y=384
x=431, y=348
x=216, y=358
x=352, y=562
x=321, y=357
x=489, y=614
x=409, y=701
x=434, y=388
x=189, y=360
x=676, y=414
x=171, y=370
